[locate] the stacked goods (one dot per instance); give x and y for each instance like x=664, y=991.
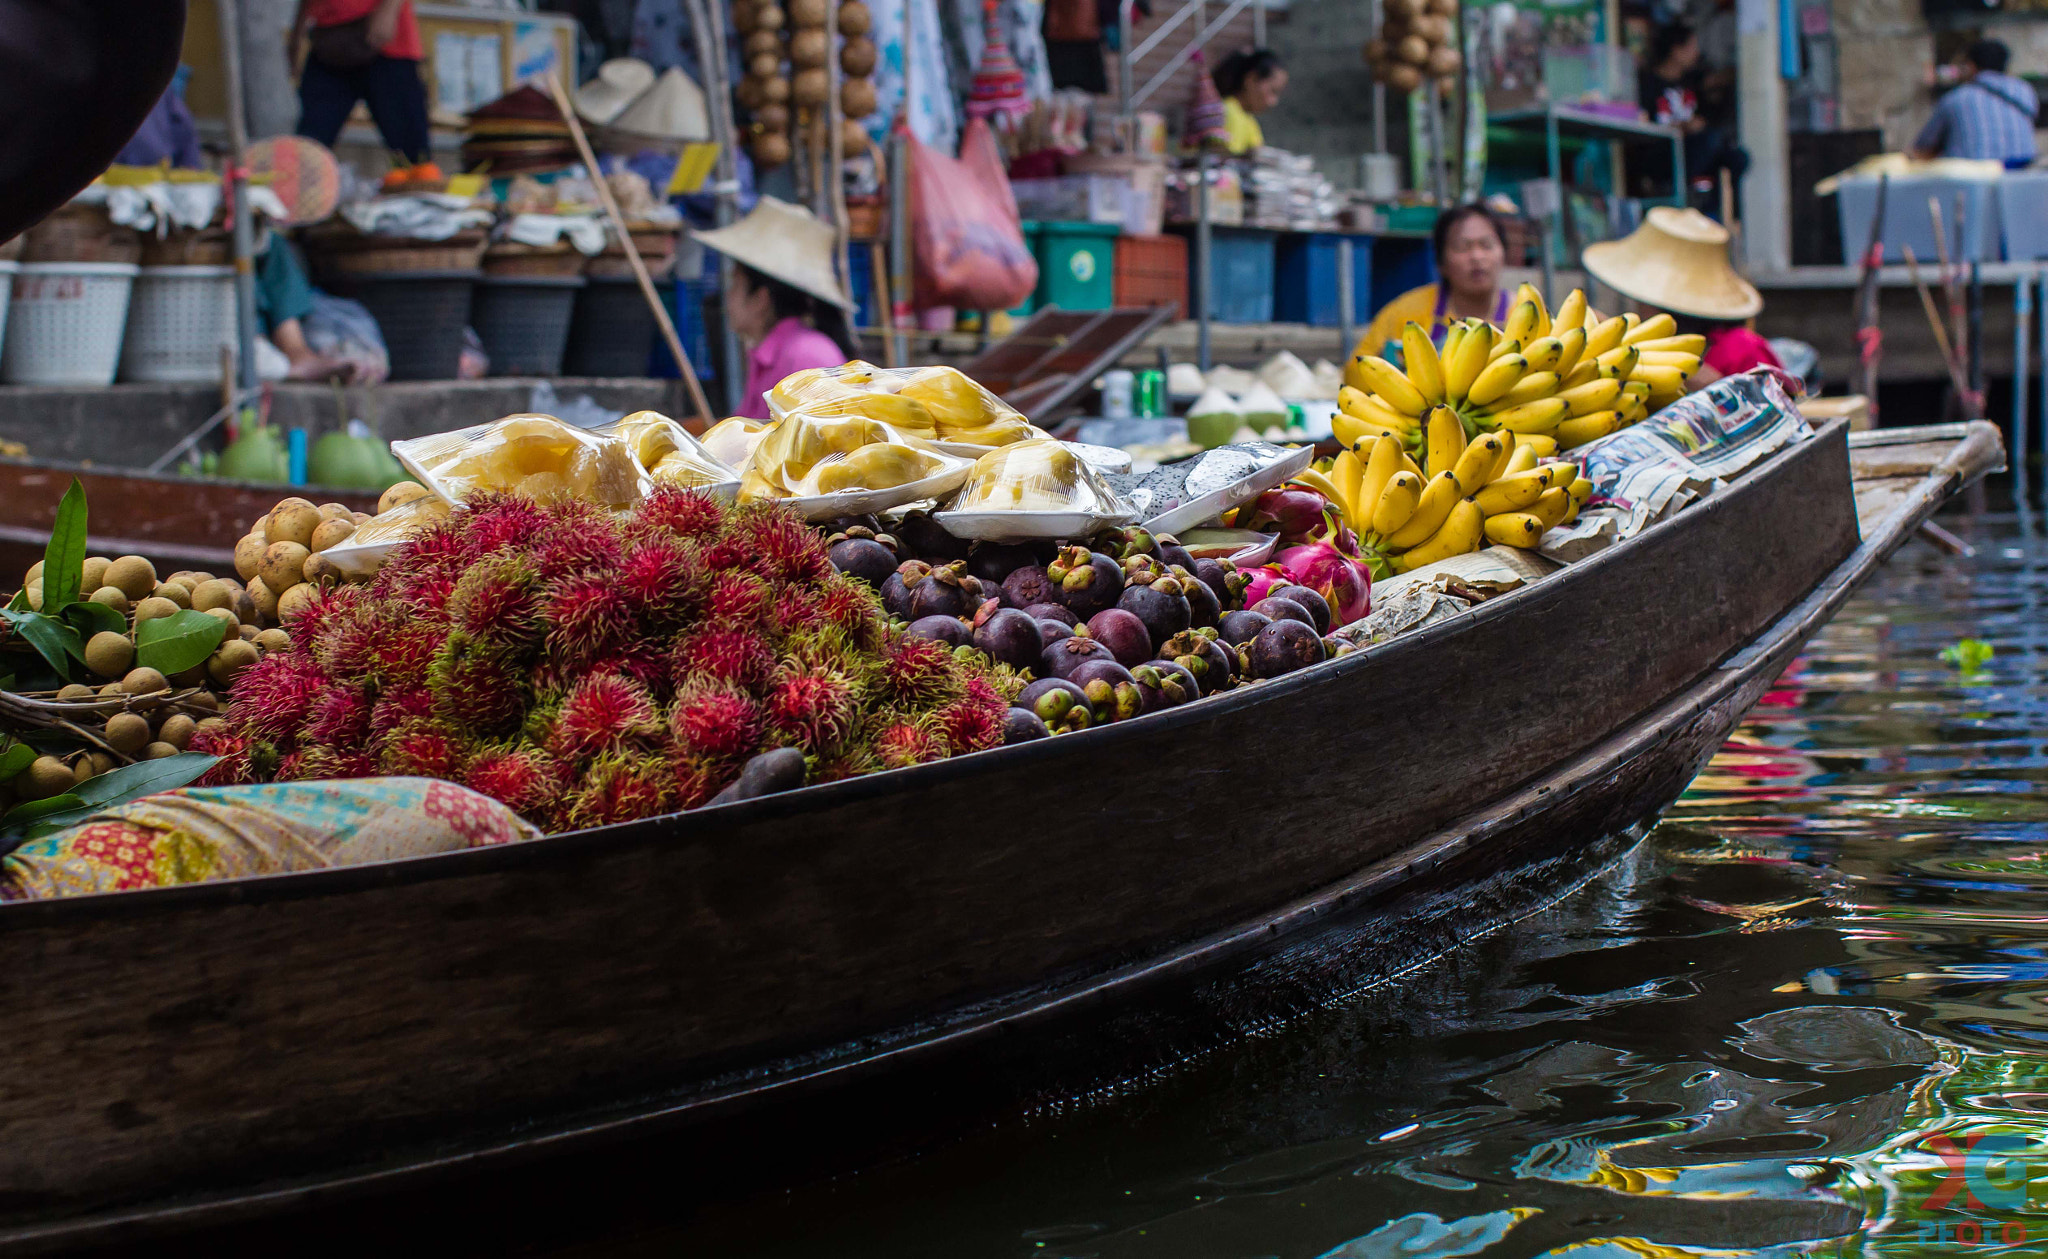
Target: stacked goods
x=1557, y=384
x=765, y=91
x=1416, y=40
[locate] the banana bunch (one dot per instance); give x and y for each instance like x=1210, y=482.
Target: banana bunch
x=1491, y=488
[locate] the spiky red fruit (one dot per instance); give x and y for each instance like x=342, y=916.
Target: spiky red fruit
x=273, y=696
x=815, y=707
x=852, y=608
x=424, y=749
x=581, y=539
x=584, y=616
x=784, y=548
x=715, y=721
x=620, y=789
x=970, y=724
x=502, y=520
x=477, y=687
x=739, y=597
x=395, y=708
x=694, y=781
x=919, y=672
x=526, y=780
x=902, y=743
x=688, y=514
x=340, y=717
x=599, y=714
x=327, y=762
x=497, y=598
x=233, y=751
x=723, y=653
x=660, y=579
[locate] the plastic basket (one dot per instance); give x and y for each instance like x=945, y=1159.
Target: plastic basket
x=524, y=322
x=2023, y=210
x=422, y=315
x=1241, y=271
x=1305, y=280
x=1152, y=271
x=612, y=331
x=65, y=322
x=1908, y=222
x=1077, y=265
x=178, y=320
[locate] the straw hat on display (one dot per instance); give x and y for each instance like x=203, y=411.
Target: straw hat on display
x=784, y=242
x=671, y=112
x=619, y=83
x=1676, y=261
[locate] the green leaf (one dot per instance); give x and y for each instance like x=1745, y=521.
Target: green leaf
x=64, y=557
x=143, y=778
x=1970, y=655
x=17, y=757
x=35, y=810
x=175, y=643
x=53, y=640
x=93, y=618
x=19, y=603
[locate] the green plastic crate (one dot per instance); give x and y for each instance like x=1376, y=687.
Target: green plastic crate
x=1076, y=265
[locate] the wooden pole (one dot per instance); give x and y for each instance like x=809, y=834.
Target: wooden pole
x=835, y=153
x=235, y=179
x=707, y=20
x=618, y=221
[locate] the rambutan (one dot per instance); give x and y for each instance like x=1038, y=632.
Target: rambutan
x=584, y=616
x=715, y=720
x=920, y=672
x=599, y=714
x=329, y=762
x=522, y=778
x=853, y=608
x=786, y=549
x=737, y=596
x=796, y=609
x=645, y=663
x=498, y=598
x=723, y=653
x=436, y=541
x=404, y=652
x=620, y=789
x=814, y=707
x=313, y=616
x=850, y=761
x=423, y=749
x=661, y=580
x=476, y=686
x=903, y=742
x=688, y=514
x=970, y=724
x=346, y=645
x=502, y=520
x=233, y=751
x=581, y=539
x=272, y=697
x=396, y=707
x=695, y=780
x=340, y=717
x=981, y=691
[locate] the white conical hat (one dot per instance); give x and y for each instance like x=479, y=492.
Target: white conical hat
x=619, y=83
x=674, y=109
x=1677, y=260
x=787, y=243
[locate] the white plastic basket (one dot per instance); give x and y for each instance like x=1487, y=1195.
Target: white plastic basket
x=178, y=320
x=65, y=323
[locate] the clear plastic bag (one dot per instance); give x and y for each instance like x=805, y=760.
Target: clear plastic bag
x=535, y=455
x=732, y=441
x=939, y=404
x=845, y=464
x=365, y=550
x=667, y=452
x=1033, y=489
x=964, y=411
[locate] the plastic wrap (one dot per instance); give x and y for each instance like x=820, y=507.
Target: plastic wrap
x=937, y=404
x=535, y=455
x=365, y=550
x=834, y=465
x=667, y=452
x=1033, y=489
x=964, y=411
x=731, y=441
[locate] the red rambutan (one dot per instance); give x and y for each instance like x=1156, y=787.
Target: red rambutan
x=852, y=608
x=581, y=538
x=403, y=653
x=850, y=761
x=645, y=663
x=694, y=780
x=498, y=599
x=524, y=779
x=396, y=707
x=797, y=609
x=500, y=520
x=340, y=717
x=715, y=721
x=970, y=724
x=660, y=579
x=737, y=596
x=584, y=616
x=233, y=751
x=688, y=514
x=475, y=686
x=919, y=672
x=272, y=697
x=815, y=707
x=328, y=762
x=902, y=743
x=723, y=653
x=423, y=749
x=784, y=547
x=620, y=789
x=602, y=713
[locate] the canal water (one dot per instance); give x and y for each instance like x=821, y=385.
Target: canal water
x=1804, y=1014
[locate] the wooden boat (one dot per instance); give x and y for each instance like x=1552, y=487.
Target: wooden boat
x=195, y=1053
x=173, y=522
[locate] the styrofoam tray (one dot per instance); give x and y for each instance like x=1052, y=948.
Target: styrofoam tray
x=1216, y=502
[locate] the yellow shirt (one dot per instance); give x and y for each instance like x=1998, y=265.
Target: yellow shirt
x=1245, y=133
x=1424, y=306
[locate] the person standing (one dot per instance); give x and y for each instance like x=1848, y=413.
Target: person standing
x=365, y=50
x=1672, y=89
x=1989, y=117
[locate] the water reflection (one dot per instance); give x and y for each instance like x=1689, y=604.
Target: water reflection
x=1808, y=1015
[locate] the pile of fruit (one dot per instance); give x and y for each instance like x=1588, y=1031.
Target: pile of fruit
x=767, y=92
x=1416, y=40
x=1559, y=383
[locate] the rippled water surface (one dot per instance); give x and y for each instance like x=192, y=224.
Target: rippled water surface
x=1803, y=1016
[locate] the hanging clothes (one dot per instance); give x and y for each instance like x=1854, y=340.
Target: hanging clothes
x=933, y=108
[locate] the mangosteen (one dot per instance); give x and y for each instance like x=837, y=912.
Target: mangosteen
x=1204, y=608
x=928, y=540
x=863, y=558
x=993, y=562
x=950, y=630
x=1285, y=610
x=945, y=591
x=1209, y=662
x=1336, y=646
x=1051, y=631
x=1068, y=654
x=1283, y=647
x=1028, y=586
x=1124, y=634
x=1089, y=581
x=896, y=588
x=854, y=525
x=1156, y=599
x=1061, y=704
x=1007, y=636
x=1021, y=725
x=1241, y=627
x=1222, y=577
x=1317, y=606
x=1127, y=542
x=779, y=770
x=1053, y=612
x=1164, y=684
x=1112, y=692
x=1172, y=553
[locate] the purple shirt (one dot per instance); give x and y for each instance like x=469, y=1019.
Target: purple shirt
x=790, y=346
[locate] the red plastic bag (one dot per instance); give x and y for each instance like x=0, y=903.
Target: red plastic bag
x=965, y=234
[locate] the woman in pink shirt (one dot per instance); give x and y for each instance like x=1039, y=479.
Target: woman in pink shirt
x=784, y=303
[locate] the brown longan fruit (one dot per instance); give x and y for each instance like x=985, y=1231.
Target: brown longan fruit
x=155, y=606
x=114, y=597
x=45, y=777
x=126, y=732
x=177, y=593
x=213, y=593
x=109, y=654
x=227, y=617
x=284, y=565
x=76, y=690
x=230, y=660
x=274, y=640
x=132, y=576
x=332, y=532
x=400, y=494
x=177, y=730
x=292, y=521
x=93, y=573
x=298, y=597
x=144, y=681
x=158, y=751
x=249, y=555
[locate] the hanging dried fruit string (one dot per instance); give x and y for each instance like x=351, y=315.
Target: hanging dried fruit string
x=765, y=91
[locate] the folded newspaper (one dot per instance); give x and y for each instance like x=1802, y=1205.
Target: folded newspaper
x=1647, y=471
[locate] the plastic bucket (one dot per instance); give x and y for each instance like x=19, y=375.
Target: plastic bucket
x=178, y=320
x=612, y=332
x=523, y=322
x=65, y=322
x=423, y=315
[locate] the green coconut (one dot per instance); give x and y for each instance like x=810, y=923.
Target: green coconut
x=257, y=455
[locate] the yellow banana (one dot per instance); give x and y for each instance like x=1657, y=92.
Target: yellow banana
x=1396, y=504
x=1571, y=312
x=1408, y=464
x=1349, y=430
x=1540, y=416
x=1618, y=363
x=1661, y=378
x=1686, y=364
x=1630, y=322
x=1521, y=324
x=1321, y=483
x=1580, y=490
x=1518, y=529
x=1462, y=368
x=1524, y=456
x=1594, y=395
x=1507, y=456
x=1444, y=439
x=1511, y=493
x=1559, y=475
x=1366, y=407
x=1551, y=507
x=1425, y=372
x=1579, y=430
x=1453, y=337
x=1348, y=471
x=1650, y=329
x=1529, y=388
x=1438, y=497
x=1475, y=467
x=1388, y=384
x=1543, y=354
x=1382, y=461
x=1572, y=343
x=1584, y=372
x=1692, y=343
x=1635, y=388
x=1462, y=530
x=1530, y=293
x=1492, y=384
x=1542, y=443
x=1605, y=337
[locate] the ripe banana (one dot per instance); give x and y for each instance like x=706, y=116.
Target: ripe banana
x=1580, y=490
x=1595, y=395
x=1606, y=336
x=1475, y=467
x=1408, y=464
x=1444, y=439
x=1321, y=483
x=1503, y=345
x=1366, y=407
x=1585, y=428
x=1521, y=324
x=1461, y=532
x=1691, y=343
x=1542, y=443
x=1571, y=313
x=1348, y=471
x=1438, y=498
x=1650, y=329
x=1618, y=363
x=1425, y=372
x=1574, y=342
x=1686, y=364
x=1396, y=504
x=1453, y=337
x=1492, y=384
x=1661, y=379
x=1512, y=493
x=1507, y=456
x=1530, y=293
x=1381, y=463
x=1524, y=456
x=1463, y=367
x=1551, y=507
x=1386, y=382
x=1529, y=388
x=1540, y=416
x=1560, y=474
x=1518, y=529
x=1543, y=354
x=1349, y=430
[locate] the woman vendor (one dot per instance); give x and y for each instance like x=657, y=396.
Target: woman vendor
x=1250, y=81
x=1677, y=261
x=784, y=303
x=1471, y=249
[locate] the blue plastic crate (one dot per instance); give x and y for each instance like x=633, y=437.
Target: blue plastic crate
x=860, y=283
x=1305, y=279
x=1241, y=267
x=2023, y=212
x=686, y=300
x=1400, y=263
x=1909, y=223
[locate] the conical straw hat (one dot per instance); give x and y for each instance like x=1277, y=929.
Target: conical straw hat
x=1677, y=261
x=785, y=242
x=619, y=83
x=673, y=109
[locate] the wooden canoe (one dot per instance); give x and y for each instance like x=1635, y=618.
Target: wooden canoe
x=198, y=1053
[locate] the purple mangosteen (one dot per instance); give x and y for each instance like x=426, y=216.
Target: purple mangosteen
x=1050, y=632
x=1068, y=654
x=1027, y=586
x=1164, y=684
x=1007, y=636
x=950, y=630
x=928, y=540
x=1021, y=725
x=1317, y=607
x=1208, y=661
x=1222, y=577
x=863, y=558
x=993, y=562
x=945, y=591
x=1241, y=627
x=1155, y=598
x=1285, y=610
x=1204, y=608
x=1112, y=692
x=896, y=588
x=1285, y=646
x=1053, y=612
x=1124, y=634
x=1061, y=704
x=1088, y=580
x=1172, y=553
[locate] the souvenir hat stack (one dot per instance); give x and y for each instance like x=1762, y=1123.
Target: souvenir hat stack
x=618, y=83
x=998, y=89
x=668, y=115
x=1205, y=127
x=520, y=131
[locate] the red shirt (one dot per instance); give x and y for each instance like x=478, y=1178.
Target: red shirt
x=405, y=44
x=1737, y=349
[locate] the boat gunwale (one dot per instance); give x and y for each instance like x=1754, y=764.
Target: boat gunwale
x=734, y=817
